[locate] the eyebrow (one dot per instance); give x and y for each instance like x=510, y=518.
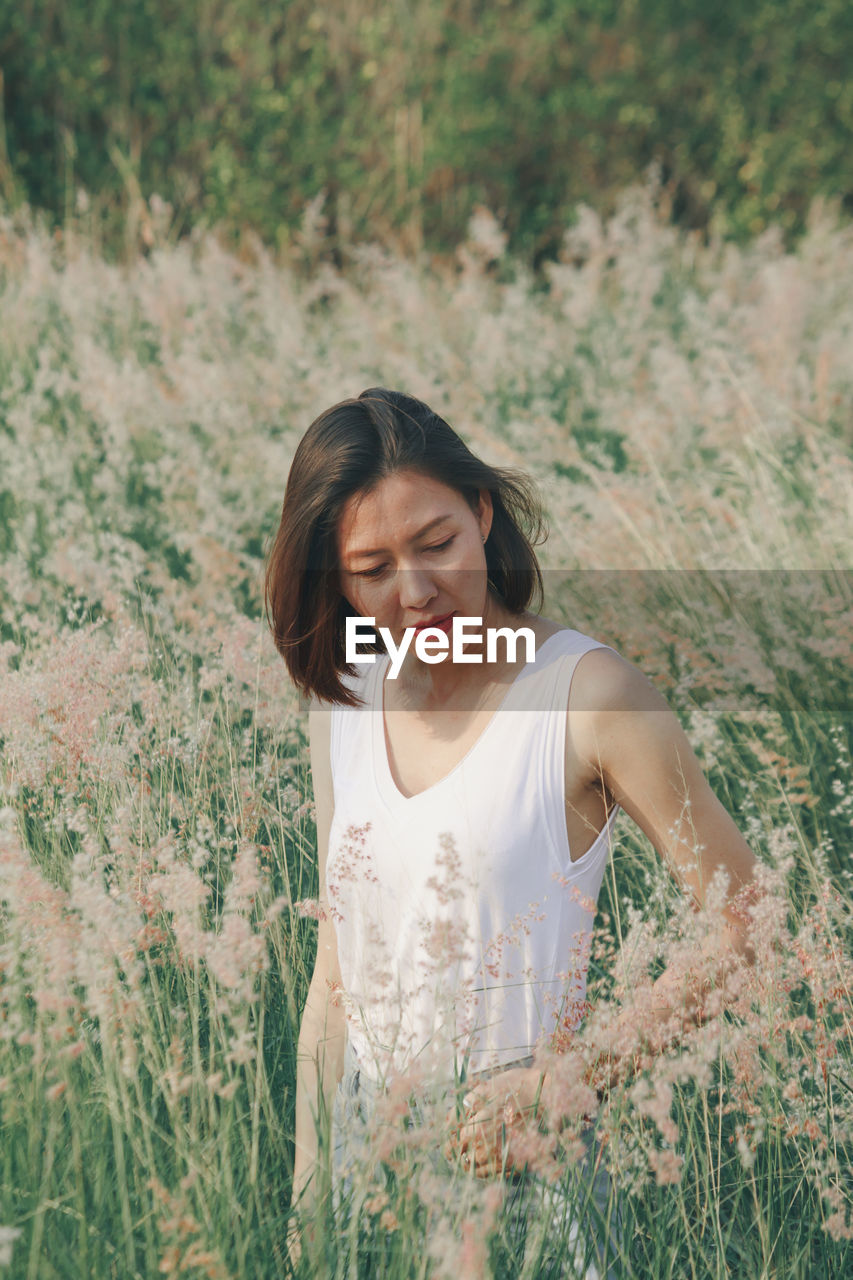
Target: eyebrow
x=382, y=551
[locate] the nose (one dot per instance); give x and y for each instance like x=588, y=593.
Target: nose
x=416, y=588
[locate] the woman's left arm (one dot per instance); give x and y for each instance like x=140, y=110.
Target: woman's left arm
x=630, y=737
x=631, y=743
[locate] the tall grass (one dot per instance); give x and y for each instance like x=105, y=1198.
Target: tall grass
x=686, y=411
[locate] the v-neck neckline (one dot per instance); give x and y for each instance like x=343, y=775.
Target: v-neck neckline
x=381, y=760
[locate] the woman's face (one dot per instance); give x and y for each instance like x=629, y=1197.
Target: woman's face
x=411, y=552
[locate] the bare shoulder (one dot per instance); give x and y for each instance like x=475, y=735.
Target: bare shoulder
x=618, y=720
x=605, y=682
x=603, y=679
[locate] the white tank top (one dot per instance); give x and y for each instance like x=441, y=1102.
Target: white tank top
x=463, y=926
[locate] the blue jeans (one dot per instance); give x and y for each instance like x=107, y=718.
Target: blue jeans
x=571, y=1229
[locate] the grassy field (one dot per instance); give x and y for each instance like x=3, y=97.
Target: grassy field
x=686, y=412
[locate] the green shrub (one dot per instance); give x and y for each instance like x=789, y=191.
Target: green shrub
x=407, y=116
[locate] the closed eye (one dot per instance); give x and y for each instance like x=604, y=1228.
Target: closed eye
x=379, y=569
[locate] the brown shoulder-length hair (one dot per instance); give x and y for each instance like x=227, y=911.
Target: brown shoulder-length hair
x=345, y=451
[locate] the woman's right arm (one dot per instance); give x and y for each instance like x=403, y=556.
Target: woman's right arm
x=322, y=1034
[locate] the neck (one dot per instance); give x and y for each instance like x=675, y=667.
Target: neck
x=422, y=685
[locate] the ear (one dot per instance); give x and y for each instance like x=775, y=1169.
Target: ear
x=484, y=511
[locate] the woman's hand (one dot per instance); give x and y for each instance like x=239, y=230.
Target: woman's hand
x=497, y=1112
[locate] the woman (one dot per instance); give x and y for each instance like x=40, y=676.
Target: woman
x=464, y=807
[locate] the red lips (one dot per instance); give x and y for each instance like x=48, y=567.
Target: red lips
x=443, y=623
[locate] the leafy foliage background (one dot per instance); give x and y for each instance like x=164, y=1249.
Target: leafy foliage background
x=408, y=114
